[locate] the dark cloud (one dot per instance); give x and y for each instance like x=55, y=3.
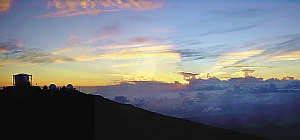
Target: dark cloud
x=10, y=45
x=248, y=72
x=187, y=53
x=121, y=99
x=140, y=102
x=193, y=54
x=202, y=52
x=187, y=75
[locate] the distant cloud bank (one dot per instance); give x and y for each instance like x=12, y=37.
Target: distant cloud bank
x=203, y=99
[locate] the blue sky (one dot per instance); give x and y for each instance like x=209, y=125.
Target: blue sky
x=93, y=43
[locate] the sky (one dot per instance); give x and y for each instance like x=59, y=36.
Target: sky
x=104, y=42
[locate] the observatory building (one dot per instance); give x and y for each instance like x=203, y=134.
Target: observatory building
x=52, y=87
x=69, y=87
x=22, y=80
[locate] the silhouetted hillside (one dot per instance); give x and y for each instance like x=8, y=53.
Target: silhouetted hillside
x=31, y=113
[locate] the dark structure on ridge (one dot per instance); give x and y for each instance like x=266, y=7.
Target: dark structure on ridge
x=29, y=112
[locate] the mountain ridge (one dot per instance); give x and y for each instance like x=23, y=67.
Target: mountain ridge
x=44, y=114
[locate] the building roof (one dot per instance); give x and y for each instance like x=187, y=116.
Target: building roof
x=22, y=74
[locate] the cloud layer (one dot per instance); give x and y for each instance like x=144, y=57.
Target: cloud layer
x=66, y=8
x=203, y=99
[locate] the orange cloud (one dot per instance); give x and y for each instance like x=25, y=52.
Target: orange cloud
x=5, y=6
x=65, y=8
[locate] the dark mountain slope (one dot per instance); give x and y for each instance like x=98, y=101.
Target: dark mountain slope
x=31, y=113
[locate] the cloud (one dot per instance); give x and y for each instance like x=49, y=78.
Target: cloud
x=10, y=45
x=121, y=99
x=66, y=8
x=192, y=54
x=282, y=48
x=5, y=6
x=214, y=99
x=202, y=52
x=288, y=78
x=189, y=42
x=238, y=74
x=144, y=40
x=237, y=57
x=13, y=52
x=96, y=39
x=247, y=72
x=187, y=75
x=35, y=56
x=247, y=66
x=283, y=56
x=62, y=50
x=292, y=85
x=219, y=73
x=211, y=109
x=285, y=42
x=235, y=29
x=76, y=45
x=136, y=51
x=188, y=103
x=140, y=102
x=138, y=40
x=160, y=53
